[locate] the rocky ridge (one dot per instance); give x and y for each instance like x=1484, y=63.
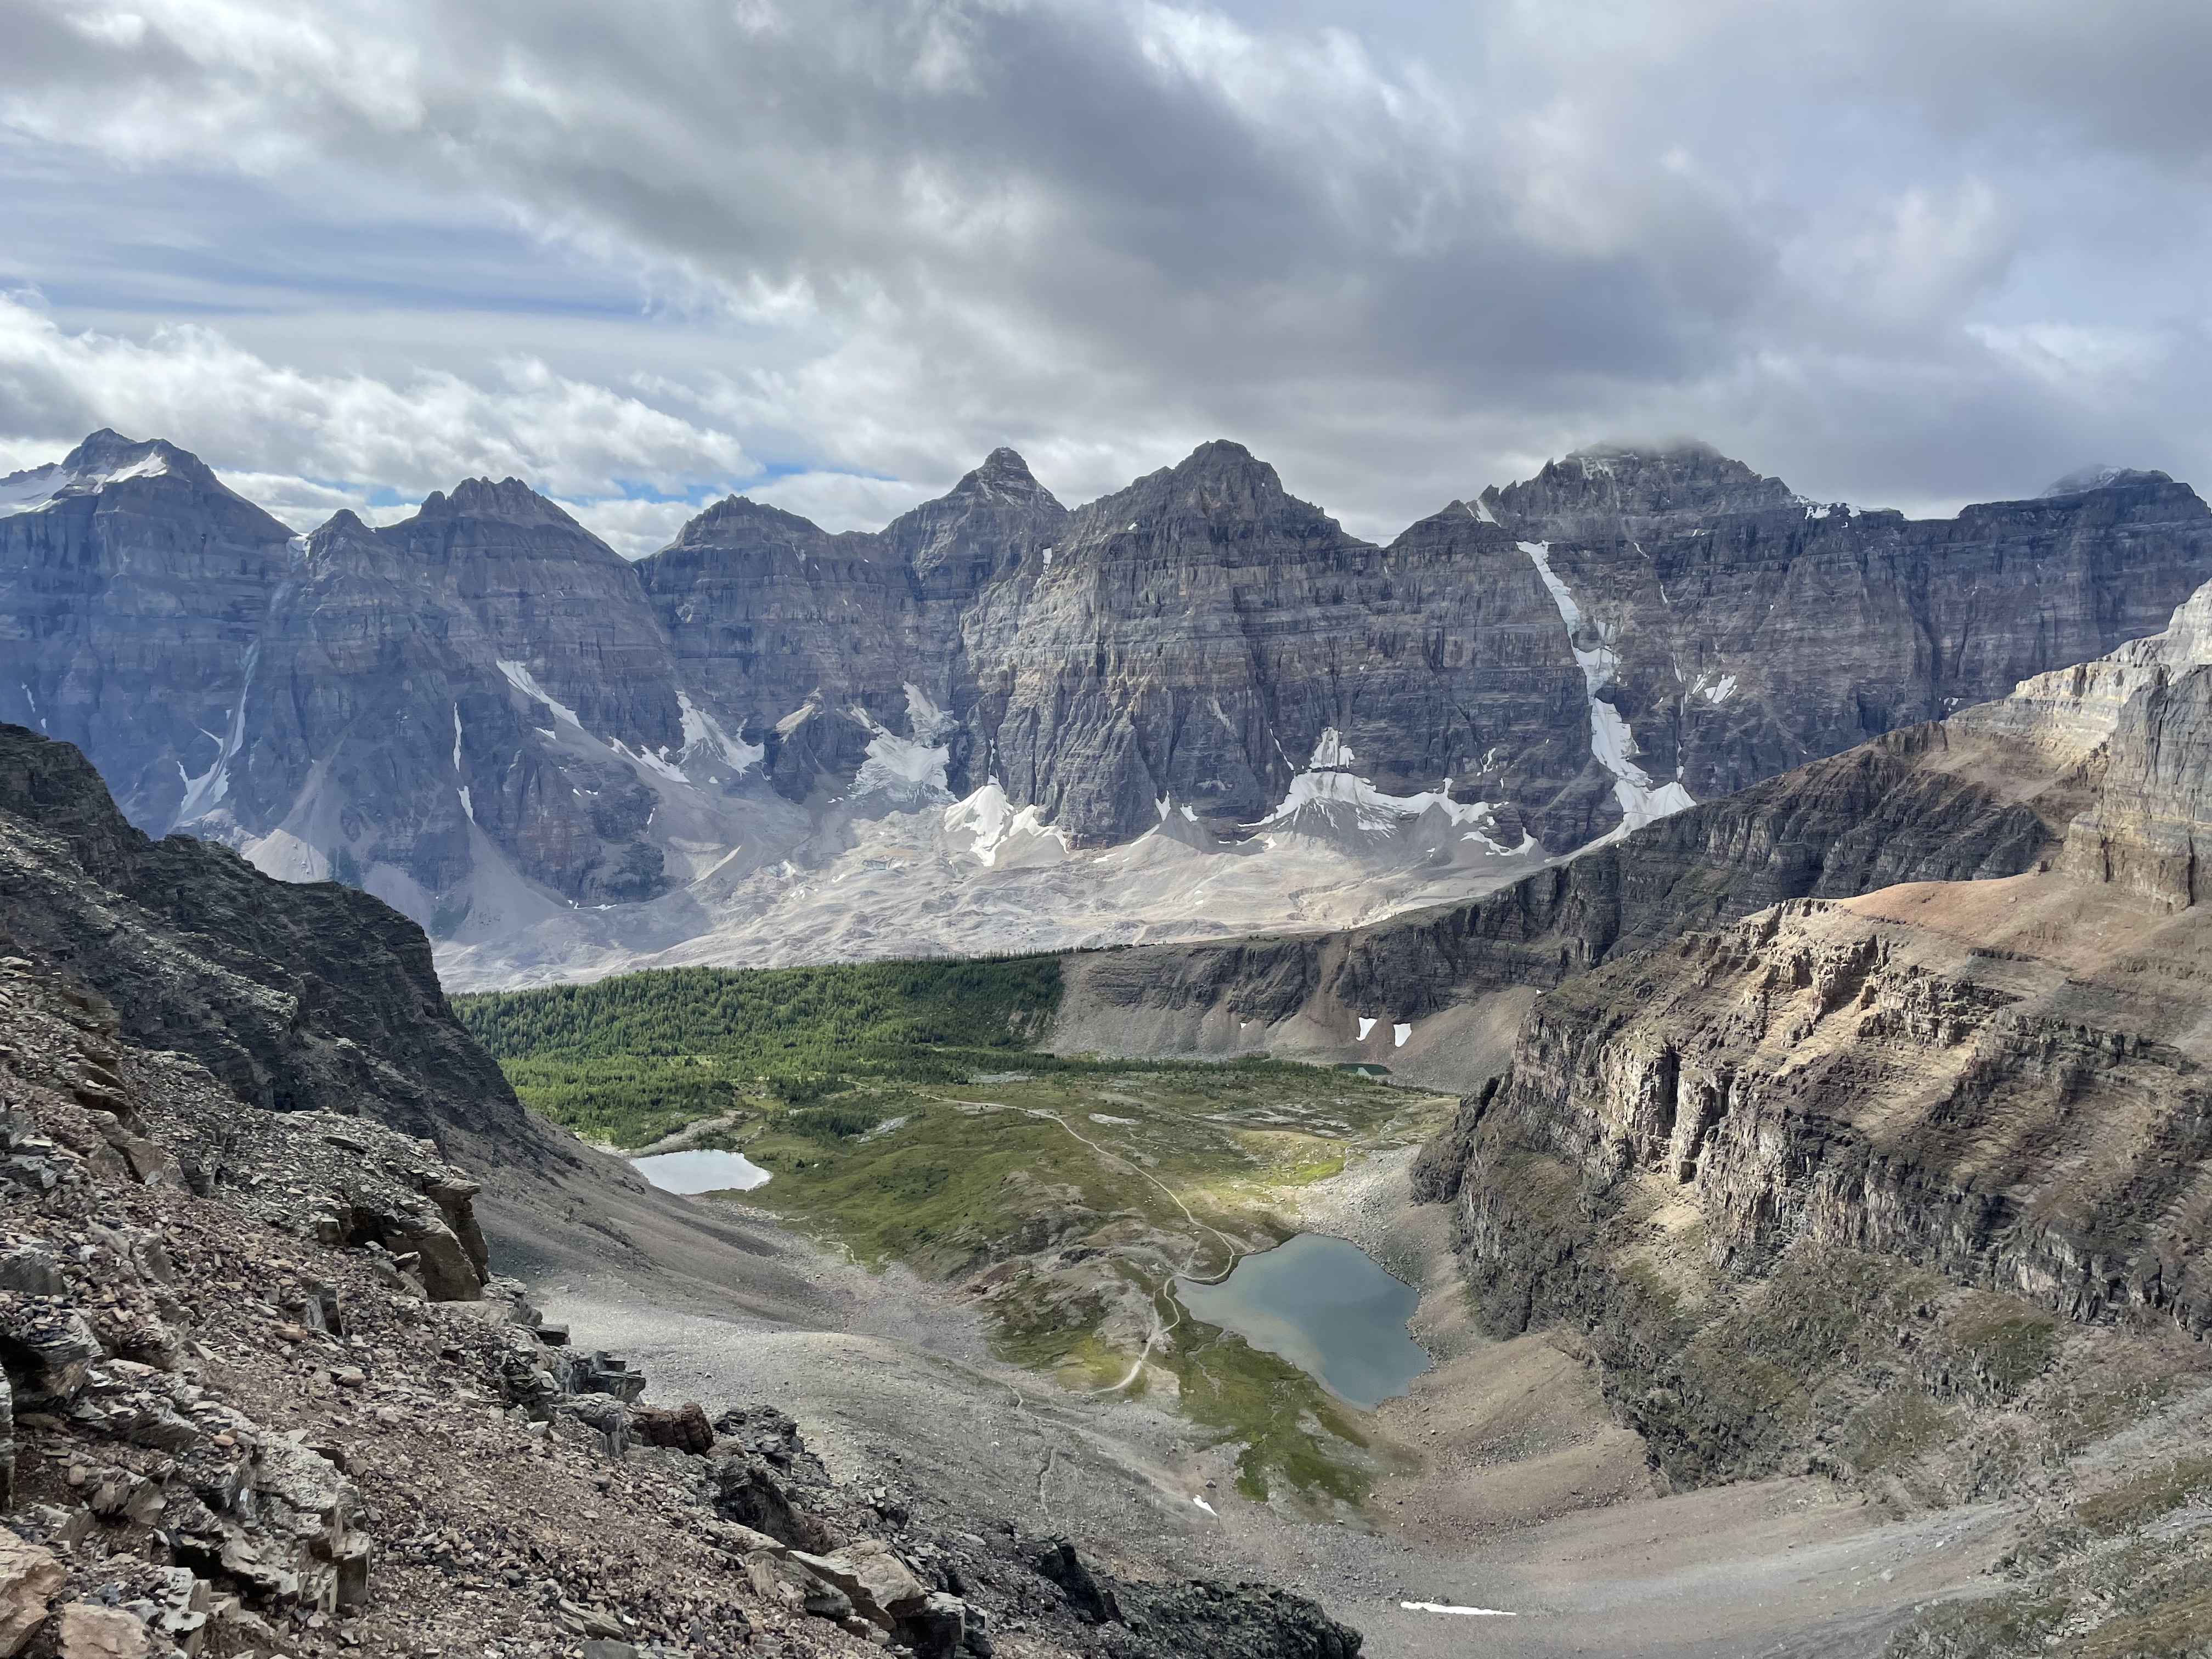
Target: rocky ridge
x=561, y=764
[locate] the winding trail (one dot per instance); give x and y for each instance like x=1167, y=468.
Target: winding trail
x=1152, y=1337
x=1138, y=1169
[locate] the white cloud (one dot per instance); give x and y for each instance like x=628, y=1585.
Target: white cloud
x=1397, y=250
x=191, y=384
x=2071, y=355
x=1928, y=256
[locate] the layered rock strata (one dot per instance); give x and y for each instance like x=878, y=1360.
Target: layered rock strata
x=487, y=718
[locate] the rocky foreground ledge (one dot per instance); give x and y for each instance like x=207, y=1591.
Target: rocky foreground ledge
x=263, y=1398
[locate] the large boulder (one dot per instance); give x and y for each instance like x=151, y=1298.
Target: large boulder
x=29, y=1577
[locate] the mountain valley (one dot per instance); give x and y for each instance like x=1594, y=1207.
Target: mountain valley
x=1737, y=961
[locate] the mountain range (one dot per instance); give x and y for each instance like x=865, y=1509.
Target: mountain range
x=1194, y=707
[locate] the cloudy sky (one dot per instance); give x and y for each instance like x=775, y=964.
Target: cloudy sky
x=829, y=252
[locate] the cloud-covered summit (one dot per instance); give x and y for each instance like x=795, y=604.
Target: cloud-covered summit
x=831, y=252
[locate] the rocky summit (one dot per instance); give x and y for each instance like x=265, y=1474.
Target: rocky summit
x=1192, y=708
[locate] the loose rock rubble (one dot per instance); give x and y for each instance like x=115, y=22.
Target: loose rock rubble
x=265, y=1397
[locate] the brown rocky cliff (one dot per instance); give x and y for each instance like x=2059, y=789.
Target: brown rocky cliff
x=1929, y=804
x=1817, y=1075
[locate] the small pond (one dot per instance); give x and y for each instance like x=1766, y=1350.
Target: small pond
x=1325, y=1306
x=701, y=1171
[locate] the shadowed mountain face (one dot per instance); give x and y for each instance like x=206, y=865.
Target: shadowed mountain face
x=494, y=722
x=134, y=588
x=313, y=999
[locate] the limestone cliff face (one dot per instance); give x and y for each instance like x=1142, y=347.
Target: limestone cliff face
x=1196, y=637
x=2100, y=769
x=1834, y=1075
x=417, y=698
x=786, y=631
x=1752, y=630
x=553, y=598
x=134, y=588
x=806, y=642
x=490, y=719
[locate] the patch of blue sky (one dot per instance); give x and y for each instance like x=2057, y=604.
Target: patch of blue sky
x=91, y=237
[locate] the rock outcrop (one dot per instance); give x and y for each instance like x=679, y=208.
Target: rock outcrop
x=297, y=998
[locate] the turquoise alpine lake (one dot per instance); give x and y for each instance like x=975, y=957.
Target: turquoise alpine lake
x=701, y=1171
x=1325, y=1306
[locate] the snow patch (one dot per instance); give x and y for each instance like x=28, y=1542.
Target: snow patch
x=468, y=805
x=990, y=816
x=1365, y=1026
x=1642, y=801
x=901, y=769
x=27, y=492
x=1201, y=1503
x=1331, y=751
x=1325, y=794
x=1399, y=1033
x=652, y=762
x=930, y=723
x=1446, y=1606
x=701, y=732
x=1718, y=692
x=520, y=679
x=41, y=487
x=205, y=792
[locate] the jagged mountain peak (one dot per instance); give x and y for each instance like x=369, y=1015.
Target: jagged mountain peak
x=180, y=480
x=990, y=520
x=1225, y=457
x=343, y=531
x=109, y=456
x=1220, y=480
x=1669, y=479
x=732, y=511
x=1003, y=470
x=510, y=499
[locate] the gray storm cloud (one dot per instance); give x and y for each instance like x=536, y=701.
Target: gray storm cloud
x=1906, y=254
